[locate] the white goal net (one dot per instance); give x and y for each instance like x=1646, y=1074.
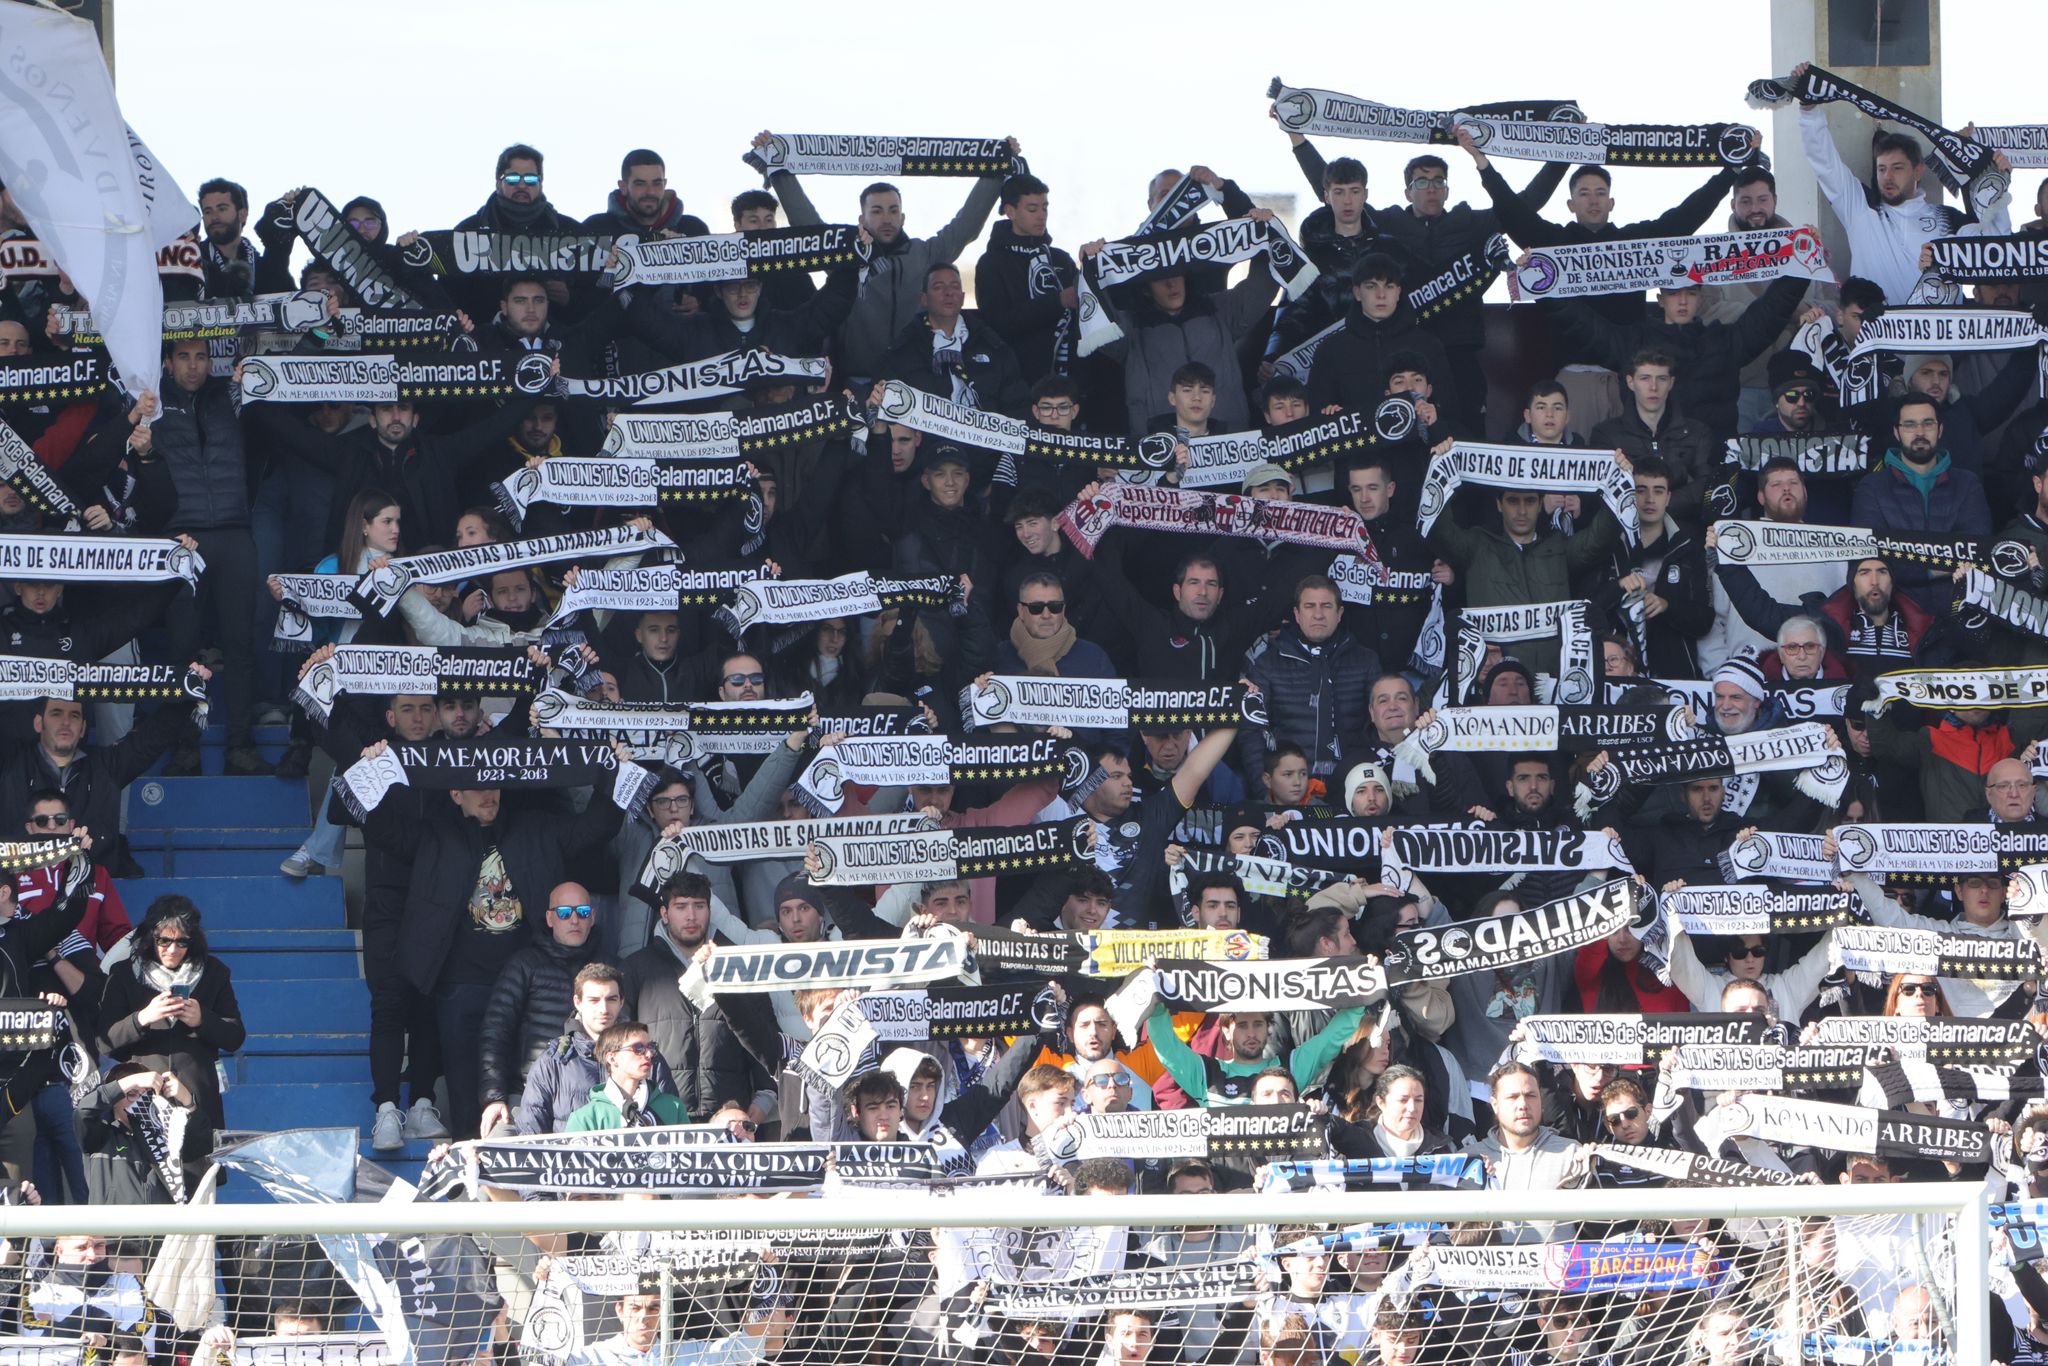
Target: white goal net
x=997, y=1274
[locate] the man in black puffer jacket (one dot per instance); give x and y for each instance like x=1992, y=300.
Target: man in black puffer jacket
x=644, y=205
x=954, y=353
x=480, y=876
x=1024, y=285
x=518, y=205
x=711, y=1068
x=199, y=439
x=1313, y=676
x=532, y=999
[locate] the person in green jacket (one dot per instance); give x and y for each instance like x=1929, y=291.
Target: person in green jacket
x=1228, y=1080
x=627, y=1099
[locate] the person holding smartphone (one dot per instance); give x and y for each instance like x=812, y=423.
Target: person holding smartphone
x=171, y=1007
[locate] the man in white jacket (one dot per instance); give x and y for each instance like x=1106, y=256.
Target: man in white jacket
x=1889, y=221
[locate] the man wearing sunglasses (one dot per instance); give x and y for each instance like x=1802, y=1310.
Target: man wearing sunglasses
x=533, y=994
x=517, y=204
x=1043, y=642
x=627, y=1099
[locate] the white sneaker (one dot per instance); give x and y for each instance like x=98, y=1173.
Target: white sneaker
x=423, y=1122
x=388, y=1136
x=299, y=865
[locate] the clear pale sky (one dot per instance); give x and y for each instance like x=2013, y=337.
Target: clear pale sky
x=410, y=102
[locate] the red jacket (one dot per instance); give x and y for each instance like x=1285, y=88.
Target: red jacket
x=106, y=919
x=1652, y=996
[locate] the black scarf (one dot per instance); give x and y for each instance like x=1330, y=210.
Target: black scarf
x=1957, y=160
x=500, y=214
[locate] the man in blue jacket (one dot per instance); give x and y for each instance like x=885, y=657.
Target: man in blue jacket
x=1917, y=490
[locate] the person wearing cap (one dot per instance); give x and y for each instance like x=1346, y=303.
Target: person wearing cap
x=1869, y=622
x=1350, y=367
x=1313, y=675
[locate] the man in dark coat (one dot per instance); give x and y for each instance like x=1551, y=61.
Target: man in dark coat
x=1024, y=286
x=711, y=1068
x=533, y=996
x=1351, y=366
x=480, y=873
x=952, y=352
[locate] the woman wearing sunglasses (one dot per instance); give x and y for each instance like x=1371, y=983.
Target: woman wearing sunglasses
x=1914, y=994
x=1741, y=958
x=171, y=1007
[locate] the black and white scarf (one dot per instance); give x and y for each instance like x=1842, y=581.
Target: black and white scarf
x=1951, y=689
x=478, y=251
x=1568, y=622
x=728, y=436
x=1692, y=1169
x=1310, y=440
x=1934, y=953
x=1342, y=844
x=1912, y=328
x=1925, y=852
x=1778, y=856
x=653, y=588
x=970, y=426
x=1770, y=1067
x=1537, y=728
x=403, y=329
x=34, y=379
x=1148, y=1288
x=1177, y=251
x=380, y=589
x=1821, y=773
x=451, y=765
x=1527, y=467
x=160, y=1125
x=1775, y=543
x=863, y=963
x=1326, y=113
x=1103, y=703
x=2000, y=1045
x=1461, y=848
x=746, y=841
x=386, y=670
x=782, y=602
x=1433, y=953
x=1832, y=456
x=942, y=855
x=1844, y=1129
x=905, y=760
x=578, y=1164
x=209, y=320
x=1629, y=1040
x=734, y=255
x=1578, y=270
x=1896, y=1085
x=1611, y=144
x=920, y=1014
x=578, y=482
x=1260, y=876
x=881, y=155
x=1270, y=522
x=1989, y=260
x=1279, y=985
x=1751, y=908
x=416, y=376
x=1957, y=160
x=1431, y=1171
x=2025, y=144
x=307, y=597
x=98, y=559
x=27, y=677
x=338, y=246
x=1985, y=597
x=1249, y=1132
x=24, y=472
x=696, y=381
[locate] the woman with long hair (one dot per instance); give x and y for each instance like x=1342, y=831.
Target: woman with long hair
x=1916, y=994
x=171, y=1007
x=1390, y=1120
x=827, y=663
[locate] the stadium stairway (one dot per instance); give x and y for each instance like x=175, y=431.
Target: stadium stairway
x=296, y=962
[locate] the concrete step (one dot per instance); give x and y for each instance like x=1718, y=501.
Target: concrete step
x=265, y=900
x=222, y=803
x=260, y=941
x=299, y=1106
x=298, y=1069
x=277, y=1040
x=322, y=1003
x=321, y=966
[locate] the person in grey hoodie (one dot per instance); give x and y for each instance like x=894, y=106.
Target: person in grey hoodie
x=1523, y=1154
x=894, y=279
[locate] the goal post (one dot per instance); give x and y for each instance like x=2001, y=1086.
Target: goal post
x=1952, y=1221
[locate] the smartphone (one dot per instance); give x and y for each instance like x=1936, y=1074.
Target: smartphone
x=181, y=990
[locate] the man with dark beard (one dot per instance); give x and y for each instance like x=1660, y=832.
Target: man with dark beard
x=644, y=205
x=228, y=258
x=517, y=204
x=1916, y=491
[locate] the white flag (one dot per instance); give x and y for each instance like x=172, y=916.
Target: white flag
x=171, y=215
x=67, y=161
